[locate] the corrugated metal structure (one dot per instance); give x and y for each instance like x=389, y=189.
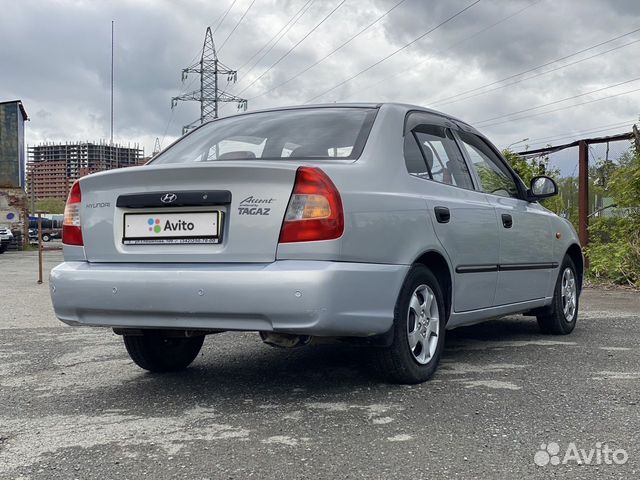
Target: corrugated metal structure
x=12, y=118
x=52, y=168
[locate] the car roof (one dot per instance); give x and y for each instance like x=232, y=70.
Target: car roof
x=405, y=106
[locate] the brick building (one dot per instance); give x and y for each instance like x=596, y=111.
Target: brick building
x=52, y=168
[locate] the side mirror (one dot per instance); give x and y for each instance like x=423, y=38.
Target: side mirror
x=542, y=187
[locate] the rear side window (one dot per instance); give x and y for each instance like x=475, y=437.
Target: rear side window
x=431, y=152
x=306, y=133
x=495, y=177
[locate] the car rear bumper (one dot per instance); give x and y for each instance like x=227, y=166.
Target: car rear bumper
x=290, y=296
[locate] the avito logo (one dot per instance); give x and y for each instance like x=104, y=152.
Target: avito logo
x=169, y=226
x=154, y=225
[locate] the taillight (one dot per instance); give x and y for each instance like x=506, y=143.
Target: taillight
x=315, y=209
x=71, y=231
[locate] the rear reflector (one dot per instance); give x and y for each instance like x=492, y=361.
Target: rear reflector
x=315, y=209
x=71, y=231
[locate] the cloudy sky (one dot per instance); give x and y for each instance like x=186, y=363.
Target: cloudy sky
x=491, y=65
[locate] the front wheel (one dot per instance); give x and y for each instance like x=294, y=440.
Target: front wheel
x=562, y=315
x=418, y=329
x=46, y=238
x=157, y=353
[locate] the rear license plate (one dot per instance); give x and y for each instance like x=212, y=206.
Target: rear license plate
x=172, y=228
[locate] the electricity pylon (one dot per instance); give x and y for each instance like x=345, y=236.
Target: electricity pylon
x=156, y=147
x=209, y=95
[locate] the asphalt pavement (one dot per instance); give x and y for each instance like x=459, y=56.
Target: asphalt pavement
x=506, y=402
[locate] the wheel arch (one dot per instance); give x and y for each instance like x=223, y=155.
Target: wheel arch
x=437, y=263
x=574, y=252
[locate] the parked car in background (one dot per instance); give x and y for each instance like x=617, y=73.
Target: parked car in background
x=380, y=224
x=51, y=227
x=47, y=235
x=6, y=237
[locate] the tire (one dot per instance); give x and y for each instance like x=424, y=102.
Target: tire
x=157, y=353
x=46, y=238
x=561, y=317
x=3, y=248
x=399, y=362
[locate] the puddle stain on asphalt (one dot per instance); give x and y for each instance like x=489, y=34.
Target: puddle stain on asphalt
x=27, y=445
x=492, y=344
x=448, y=367
x=606, y=375
x=495, y=384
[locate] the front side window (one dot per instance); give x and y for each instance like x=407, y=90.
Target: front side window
x=430, y=150
x=306, y=133
x=495, y=177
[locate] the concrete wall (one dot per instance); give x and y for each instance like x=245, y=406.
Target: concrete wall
x=12, y=152
x=10, y=157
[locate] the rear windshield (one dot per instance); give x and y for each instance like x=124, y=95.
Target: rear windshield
x=308, y=133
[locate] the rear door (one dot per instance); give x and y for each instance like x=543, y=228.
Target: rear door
x=464, y=219
x=526, y=239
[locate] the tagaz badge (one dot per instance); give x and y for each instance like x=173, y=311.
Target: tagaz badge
x=255, y=206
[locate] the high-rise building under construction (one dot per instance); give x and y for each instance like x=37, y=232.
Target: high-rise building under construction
x=52, y=168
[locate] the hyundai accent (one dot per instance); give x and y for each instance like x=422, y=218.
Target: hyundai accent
x=382, y=225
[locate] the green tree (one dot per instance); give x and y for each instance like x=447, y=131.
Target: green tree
x=614, y=248
x=529, y=168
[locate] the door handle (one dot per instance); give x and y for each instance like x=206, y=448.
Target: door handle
x=443, y=215
x=507, y=220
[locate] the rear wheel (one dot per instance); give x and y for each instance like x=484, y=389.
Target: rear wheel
x=46, y=237
x=562, y=315
x=419, y=327
x=157, y=353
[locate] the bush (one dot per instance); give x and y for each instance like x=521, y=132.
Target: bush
x=614, y=242
x=614, y=250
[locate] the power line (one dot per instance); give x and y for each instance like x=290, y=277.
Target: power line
x=236, y=26
x=439, y=101
x=306, y=69
x=224, y=16
x=499, y=87
x=562, y=108
x=588, y=132
x=277, y=37
x=420, y=37
x=601, y=128
x=218, y=24
x=450, y=47
x=272, y=38
x=306, y=8
x=295, y=46
x=556, y=101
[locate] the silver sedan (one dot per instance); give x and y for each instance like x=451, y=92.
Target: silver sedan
x=386, y=224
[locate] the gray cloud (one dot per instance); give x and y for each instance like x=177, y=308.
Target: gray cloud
x=58, y=61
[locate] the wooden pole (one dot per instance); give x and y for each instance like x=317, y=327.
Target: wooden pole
x=583, y=193
x=39, y=247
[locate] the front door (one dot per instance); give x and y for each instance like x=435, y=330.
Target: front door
x=526, y=245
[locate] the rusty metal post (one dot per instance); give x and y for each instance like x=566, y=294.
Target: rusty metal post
x=583, y=193
x=39, y=247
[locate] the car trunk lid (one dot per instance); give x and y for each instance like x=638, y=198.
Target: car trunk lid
x=218, y=212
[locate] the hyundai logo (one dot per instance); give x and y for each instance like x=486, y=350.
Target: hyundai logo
x=168, y=198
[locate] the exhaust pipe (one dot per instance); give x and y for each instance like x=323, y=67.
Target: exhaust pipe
x=284, y=340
